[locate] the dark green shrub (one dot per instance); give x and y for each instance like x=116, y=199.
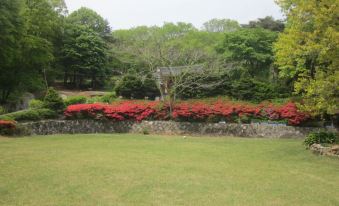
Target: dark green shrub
x=150, y=88
x=130, y=86
x=30, y=115
x=75, y=100
x=53, y=101
x=251, y=90
x=320, y=138
x=36, y=104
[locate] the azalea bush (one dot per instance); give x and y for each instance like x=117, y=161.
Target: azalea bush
x=189, y=111
x=128, y=110
x=7, y=127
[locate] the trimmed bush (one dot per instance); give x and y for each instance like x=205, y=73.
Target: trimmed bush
x=75, y=100
x=321, y=138
x=53, y=101
x=30, y=115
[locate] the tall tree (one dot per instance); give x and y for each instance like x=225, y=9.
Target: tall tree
x=250, y=48
x=88, y=17
x=85, y=55
x=28, y=30
x=267, y=23
x=221, y=25
x=308, y=52
x=11, y=33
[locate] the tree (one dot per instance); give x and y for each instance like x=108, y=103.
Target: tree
x=87, y=17
x=170, y=45
x=250, y=48
x=28, y=30
x=85, y=55
x=221, y=25
x=307, y=52
x=267, y=23
x=11, y=33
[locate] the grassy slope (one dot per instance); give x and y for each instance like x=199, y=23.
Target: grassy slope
x=153, y=170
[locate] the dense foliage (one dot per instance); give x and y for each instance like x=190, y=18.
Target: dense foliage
x=132, y=86
x=42, y=45
x=321, y=138
x=307, y=52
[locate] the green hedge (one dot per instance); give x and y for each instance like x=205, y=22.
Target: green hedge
x=30, y=115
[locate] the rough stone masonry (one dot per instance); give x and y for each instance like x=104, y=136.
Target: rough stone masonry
x=167, y=127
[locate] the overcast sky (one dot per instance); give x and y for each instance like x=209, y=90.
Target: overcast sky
x=123, y=14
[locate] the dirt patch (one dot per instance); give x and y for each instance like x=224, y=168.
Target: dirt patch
x=70, y=93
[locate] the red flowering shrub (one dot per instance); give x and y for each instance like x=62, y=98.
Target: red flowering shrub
x=7, y=127
x=290, y=112
x=123, y=111
x=7, y=124
x=186, y=111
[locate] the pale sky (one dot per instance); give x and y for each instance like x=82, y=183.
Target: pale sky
x=123, y=14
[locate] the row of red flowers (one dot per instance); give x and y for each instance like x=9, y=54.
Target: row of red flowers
x=187, y=111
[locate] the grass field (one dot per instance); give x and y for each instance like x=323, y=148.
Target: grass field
x=159, y=170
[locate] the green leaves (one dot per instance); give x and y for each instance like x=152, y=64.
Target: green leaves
x=308, y=52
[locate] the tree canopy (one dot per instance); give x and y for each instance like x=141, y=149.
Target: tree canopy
x=308, y=52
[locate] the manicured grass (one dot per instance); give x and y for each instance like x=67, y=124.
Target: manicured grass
x=159, y=170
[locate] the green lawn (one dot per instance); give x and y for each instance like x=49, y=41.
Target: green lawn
x=159, y=170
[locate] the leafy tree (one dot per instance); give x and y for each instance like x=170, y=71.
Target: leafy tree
x=147, y=48
x=87, y=17
x=250, y=48
x=28, y=30
x=221, y=25
x=267, y=23
x=85, y=55
x=307, y=52
x=11, y=34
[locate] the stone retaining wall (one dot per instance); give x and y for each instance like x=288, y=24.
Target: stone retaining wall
x=167, y=127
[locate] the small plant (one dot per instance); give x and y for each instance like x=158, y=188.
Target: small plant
x=145, y=131
x=320, y=138
x=53, y=101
